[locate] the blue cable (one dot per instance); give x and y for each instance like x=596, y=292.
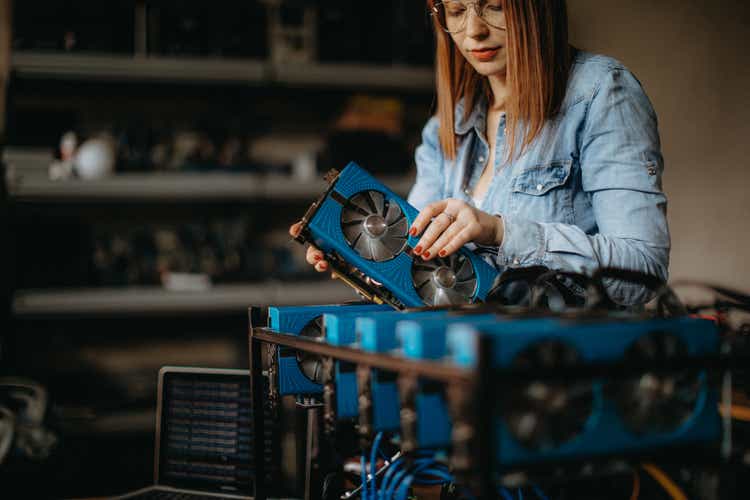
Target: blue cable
x=538, y=492
x=394, y=467
x=506, y=494
x=374, y=463
x=363, y=475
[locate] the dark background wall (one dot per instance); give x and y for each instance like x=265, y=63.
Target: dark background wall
x=692, y=58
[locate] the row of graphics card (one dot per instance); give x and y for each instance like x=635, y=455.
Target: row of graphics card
x=537, y=418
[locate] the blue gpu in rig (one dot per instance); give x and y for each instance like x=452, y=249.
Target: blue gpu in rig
x=425, y=339
x=340, y=331
x=362, y=227
x=545, y=420
x=377, y=334
x=302, y=373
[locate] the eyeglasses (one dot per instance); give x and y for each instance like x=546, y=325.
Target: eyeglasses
x=452, y=14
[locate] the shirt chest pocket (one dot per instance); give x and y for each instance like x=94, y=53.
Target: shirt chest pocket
x=543, y=193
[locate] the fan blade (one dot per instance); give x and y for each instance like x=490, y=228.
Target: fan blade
x=394, y=244
x=379, y=251
x=398, y=227
x=362, y=246
x=358, y=205
x=427, y=292
x=369, y=198
x=393, y=213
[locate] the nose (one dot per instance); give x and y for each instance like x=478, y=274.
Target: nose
x=475, y=26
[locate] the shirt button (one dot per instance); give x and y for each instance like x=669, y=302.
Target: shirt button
x=539, y=187
x=516, y=261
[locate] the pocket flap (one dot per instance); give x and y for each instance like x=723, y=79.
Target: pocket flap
x=539, y=179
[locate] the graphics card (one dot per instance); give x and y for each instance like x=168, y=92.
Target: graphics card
x=425, y=339
x=339, y=330
x=362, y=227
x=545, y=420
x=299, y=372
x=377, y=334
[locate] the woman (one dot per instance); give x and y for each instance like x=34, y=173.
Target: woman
x=539, y=154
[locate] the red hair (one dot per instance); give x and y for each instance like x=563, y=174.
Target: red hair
x=539, y=60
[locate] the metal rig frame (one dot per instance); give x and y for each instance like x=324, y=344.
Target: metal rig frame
x=476, y=395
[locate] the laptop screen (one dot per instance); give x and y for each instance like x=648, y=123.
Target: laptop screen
x=205, y=431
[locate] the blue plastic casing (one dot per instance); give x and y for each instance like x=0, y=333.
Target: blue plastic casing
x=425, y=339
x=596, y=342
x=339, y=330
x=377, y=334
x=394, y=274
x=291, y=320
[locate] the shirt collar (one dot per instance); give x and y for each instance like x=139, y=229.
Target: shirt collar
x=476, y=119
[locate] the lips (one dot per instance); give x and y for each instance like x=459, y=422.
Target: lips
x=486, y=54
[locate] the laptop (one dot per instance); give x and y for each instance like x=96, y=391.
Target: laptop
x=203, y=436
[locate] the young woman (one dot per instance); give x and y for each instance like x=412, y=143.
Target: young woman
x=539, y=154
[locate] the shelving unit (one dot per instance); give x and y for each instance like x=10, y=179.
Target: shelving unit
x=54, y=320
x=198, y=187
x=33, y=64
x=154, y=300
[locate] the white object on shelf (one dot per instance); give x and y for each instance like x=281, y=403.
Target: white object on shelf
x=186, y=282
x=144, y=300
x=95, y=159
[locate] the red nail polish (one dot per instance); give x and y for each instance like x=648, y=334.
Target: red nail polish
x=317, y=257
x=413, y=231
x=442, y=253
x=418, y=250
x=426, y=255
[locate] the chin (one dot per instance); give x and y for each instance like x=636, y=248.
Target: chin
x=489, y=69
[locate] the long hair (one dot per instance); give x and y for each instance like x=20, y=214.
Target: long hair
x=539, y=60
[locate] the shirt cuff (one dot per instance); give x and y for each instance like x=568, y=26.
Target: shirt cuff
x=523, y=242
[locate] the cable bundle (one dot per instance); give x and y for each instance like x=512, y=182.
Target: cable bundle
x=420, y=468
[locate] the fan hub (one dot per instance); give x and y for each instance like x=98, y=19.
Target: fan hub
x=375, y=226
x=445, y=277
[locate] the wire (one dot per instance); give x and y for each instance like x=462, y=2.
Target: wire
x=373, y=465
x=636, y=486
x=363, y=475
x=737, y=412
x=506, y=494
x=538, y=492
x=665, y=481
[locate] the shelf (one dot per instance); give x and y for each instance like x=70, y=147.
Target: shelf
x=356, y=75
x=188, y=187
x=156, y=300
x=34, y=64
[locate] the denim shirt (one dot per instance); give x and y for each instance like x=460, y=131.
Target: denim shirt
x=585, y=194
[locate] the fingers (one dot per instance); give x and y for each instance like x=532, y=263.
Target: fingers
x=315, y=257
x=426, y=215
x=465, y=235
x=437, y=248
x=295, y=229
x=436, y=228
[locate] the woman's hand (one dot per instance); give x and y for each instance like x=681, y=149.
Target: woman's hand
x=450, y=224
x=314, y=256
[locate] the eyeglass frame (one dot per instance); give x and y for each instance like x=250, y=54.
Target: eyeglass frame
x=434, y=12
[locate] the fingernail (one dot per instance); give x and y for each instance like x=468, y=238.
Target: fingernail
x=442, y=253
x=413, y=231
x=323, y=266
x=418, y=250
x=426, y=255
x=317, y=257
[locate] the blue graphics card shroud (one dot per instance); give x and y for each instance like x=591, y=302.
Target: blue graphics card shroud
x=377, y=334
x=425, y=339
x=308, y=321
x=597, y=417
x=364, y=224
x=340, y=331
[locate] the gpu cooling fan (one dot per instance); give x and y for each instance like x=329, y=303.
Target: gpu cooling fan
x=655, y=402
x=373, y=226
x=311, y=365
x=544, y=414
x=362, y=228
